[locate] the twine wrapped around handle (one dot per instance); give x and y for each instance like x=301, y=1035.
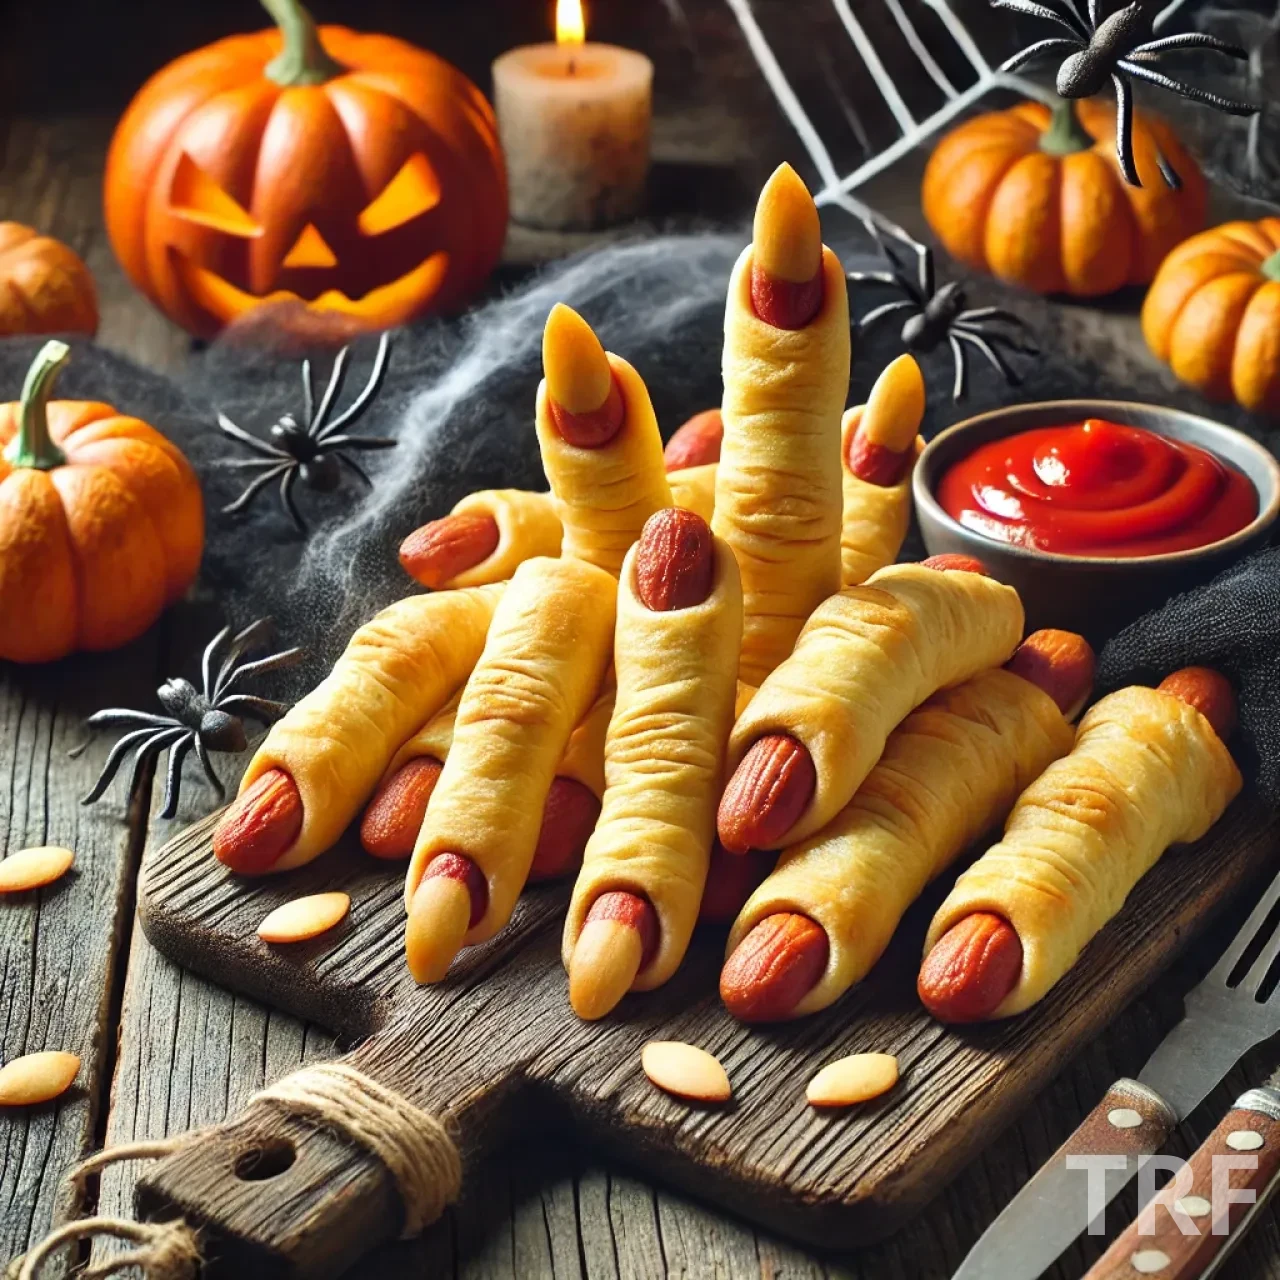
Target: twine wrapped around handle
x=413, y=1145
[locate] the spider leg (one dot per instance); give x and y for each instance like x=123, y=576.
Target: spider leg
x=1188, y=40
x=245, y=704
x=872, y=317
x=873, y=277
x=247, y=464
x=202, y=752
x=173, y=774
x=1232, y=106
x=984, y=320
x=316, y=426
x=257, y=486
x=229, y=428
x=957, y=355
x=371, y=389
x=924, y=269
x=308, y=394
x=356, y=467
x=996, y=360
x=206, y=659
x=273, y=662
x=114, y=717
x=286, y=497
x=251, y=637
x=1069, y=19
x=1055, y=44
x=1172, y=180
x=114, y=757
x=358, y=442
x=1124, y=129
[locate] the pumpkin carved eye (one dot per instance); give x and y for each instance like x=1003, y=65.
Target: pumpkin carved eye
x=310, y=250
x=198, y=198
x=413, y=191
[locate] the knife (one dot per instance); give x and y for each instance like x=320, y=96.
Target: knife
x=1224, y=1019
x=1208, y=1224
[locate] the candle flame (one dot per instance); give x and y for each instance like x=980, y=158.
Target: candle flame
x=571, y=23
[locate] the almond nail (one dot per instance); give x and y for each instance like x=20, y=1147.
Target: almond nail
x=857, y=1078
x=393, y=819
x=774, y=967
x=619, y=939
x=304, y=918
x=786, y=270
x=261, y=825
x=731, y=879
x=675, y=561
x=685, y=1071
x=37, y=1077
x=437, y=552
x=568, y=819
x=971, y=969
x=768, y=792
x=696, y=443
x=583, y=396
x=34, y=868
x=450, y=899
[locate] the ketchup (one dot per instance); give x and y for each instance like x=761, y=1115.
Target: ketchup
x=1096, y=488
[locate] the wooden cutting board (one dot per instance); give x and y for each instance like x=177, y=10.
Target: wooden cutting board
x=497, y=1049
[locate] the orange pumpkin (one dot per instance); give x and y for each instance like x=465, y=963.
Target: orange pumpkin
x=44, y=286
x=1037, y=197
x=354, y=172
x=101, y=522
x=1213, y=313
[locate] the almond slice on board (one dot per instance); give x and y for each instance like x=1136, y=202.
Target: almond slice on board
x=685, y=1071
x=33, y=868
x=304, y=918
x=857, y=1078
x=37, y=1077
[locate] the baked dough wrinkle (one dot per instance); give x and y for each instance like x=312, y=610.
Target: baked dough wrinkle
x=396, y=672
x=528, y=526
x=876, y=519
x=778, y=490
x=542, y=667
x=664, y=758
x=694, y=489
x=867, y=656
x=604, y=496
x=1147, y=771
x=949, y=772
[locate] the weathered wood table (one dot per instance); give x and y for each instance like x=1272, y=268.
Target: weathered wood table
x=164, y=1051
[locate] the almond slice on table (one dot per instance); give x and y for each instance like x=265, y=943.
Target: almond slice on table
x=304, y=918
x=857, y=1078
x=37, y=1077
x=685, y=1071
x=34, y=868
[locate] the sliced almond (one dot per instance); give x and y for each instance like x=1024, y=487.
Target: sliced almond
x=304, y=918
x=32, y=868
x=686, y=1071
x=857, y=1078
x=37, y=1077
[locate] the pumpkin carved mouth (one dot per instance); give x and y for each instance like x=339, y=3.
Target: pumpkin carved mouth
x=385, y=304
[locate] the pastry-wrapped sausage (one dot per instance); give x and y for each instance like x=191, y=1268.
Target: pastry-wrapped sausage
x=866, y=657
x=949, y=772
x=319, y=763
x=1148, y=770
x=786, y=375
x=543, y=664
x=675, y=652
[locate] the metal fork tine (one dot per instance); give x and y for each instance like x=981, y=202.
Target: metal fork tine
x=1247, y=933
x=1257, y=974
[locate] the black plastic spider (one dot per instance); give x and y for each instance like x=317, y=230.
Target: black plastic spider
x=208, y=719
x=939, y=313
x=312, y=451
x=1117, y=47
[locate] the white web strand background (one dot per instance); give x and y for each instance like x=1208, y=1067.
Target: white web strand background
x=866, y=60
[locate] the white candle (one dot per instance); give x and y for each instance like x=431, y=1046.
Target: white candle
x=574, y=122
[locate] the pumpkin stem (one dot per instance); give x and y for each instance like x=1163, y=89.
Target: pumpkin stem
x=304, y=59
x=1271, y=266
x=32, y=446
x=1065, y=134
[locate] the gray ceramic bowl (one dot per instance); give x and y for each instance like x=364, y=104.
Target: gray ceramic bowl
x=1098, y=595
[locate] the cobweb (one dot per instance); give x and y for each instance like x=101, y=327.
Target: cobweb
x=921, y=61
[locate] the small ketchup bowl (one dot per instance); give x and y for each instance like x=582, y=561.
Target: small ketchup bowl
x=1095, y=595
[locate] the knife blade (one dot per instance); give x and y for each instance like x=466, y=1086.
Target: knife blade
x=1223, y=1019
x=1192, y=1225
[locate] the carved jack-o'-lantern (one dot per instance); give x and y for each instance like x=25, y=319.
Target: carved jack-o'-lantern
x=353, y=172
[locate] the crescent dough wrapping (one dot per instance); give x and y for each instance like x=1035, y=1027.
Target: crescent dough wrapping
x=663, y=760
x=778, y=490
x=543, y=663
x=876, y=517
x=949, y=772
x=1147, y=771
x=528, y=526
x=395, y=673
x=605, y=495
x=865, y=659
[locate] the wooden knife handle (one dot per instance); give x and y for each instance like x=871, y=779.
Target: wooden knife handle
x=1189, y=1223
x=1131, y=1121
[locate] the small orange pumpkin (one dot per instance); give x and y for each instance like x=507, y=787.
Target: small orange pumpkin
x=1037, y=197
x=101, y=522
x=1213, y=313
x=44, y=286
x=355, y=173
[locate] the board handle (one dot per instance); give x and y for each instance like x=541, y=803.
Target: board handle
x=322, y=1167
